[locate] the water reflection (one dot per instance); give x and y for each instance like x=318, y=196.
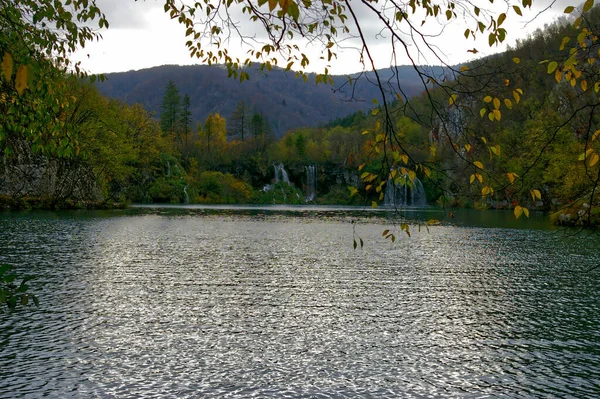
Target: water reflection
x=145, y=304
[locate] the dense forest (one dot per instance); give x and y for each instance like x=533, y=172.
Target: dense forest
x=526, y=126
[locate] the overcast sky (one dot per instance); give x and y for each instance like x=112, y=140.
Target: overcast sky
x=141, y=36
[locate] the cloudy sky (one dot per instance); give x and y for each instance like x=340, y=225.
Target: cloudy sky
x=141, y=35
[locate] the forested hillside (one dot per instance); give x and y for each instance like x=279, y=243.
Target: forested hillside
x=289, y=101
x=517, y=130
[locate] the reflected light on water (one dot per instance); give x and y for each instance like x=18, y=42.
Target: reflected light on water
x=222, y=305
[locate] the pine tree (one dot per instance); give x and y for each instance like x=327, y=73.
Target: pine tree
x=185, y=120
x=170, y=110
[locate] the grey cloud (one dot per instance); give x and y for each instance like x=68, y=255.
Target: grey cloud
x=127, y=14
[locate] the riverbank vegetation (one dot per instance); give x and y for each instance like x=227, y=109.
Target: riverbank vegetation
x=518, y=131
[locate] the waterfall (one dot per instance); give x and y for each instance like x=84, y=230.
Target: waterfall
x=311, y=183
x=406, y=192
x=281, y=174
x=186, y=197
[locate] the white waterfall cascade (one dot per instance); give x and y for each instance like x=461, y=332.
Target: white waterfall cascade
x=281, y=174
x=407, y=192
x=311, y=183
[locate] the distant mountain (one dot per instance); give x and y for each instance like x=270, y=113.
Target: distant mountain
x=287, y=101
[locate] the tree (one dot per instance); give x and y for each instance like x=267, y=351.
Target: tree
x=170, y=114
x=185, y=121
x=37, y=39
x=212, y=139
x=239, y=122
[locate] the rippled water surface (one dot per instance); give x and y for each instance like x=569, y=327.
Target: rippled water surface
x=149, y=303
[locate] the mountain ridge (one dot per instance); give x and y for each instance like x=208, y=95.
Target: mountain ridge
x=288, y=102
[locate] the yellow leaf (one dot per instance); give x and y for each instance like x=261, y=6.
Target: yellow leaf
x=588, y=5
x=535, y=194
x=487, y=99
x=595, y=135
x=482, y=112
x=584, y=85
x=472, y=179
x=496, y=103
x=479, y=177
x=508, y=103
x=427, y=171
x=468, y=147
x=491, y=116
x=516, y=60
x=511, y=177
x=452, y=99
x=517, y=96
x=518, y=211
x=497, y=114
x=365, y=132
x=7, y=66
x=486, y=190
x=569, y=9
x=552, y=65
x=478, y=164
x=558, y=76
x=21, y=81
x=374, y=204
x=272, y=4
x=412, y=175
x=526, y=212
x=464, y=68
x=594, y=160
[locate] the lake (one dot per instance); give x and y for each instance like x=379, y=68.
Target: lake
x=213, y=302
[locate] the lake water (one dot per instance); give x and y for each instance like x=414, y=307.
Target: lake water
x=275, y=302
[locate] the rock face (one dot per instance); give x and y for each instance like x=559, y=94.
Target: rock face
x=53, y=179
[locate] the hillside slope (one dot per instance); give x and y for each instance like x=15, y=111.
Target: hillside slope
x=287, y=101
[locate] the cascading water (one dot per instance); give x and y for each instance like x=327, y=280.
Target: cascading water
x=281, y=174
x=407, y=192
x=311, y=183
x=186, y=197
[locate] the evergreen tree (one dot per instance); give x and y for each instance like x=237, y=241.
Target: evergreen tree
x=185, y=120
x=239, y=122
x=257, y=125
x=170, y=110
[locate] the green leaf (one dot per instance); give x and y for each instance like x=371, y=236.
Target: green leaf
x=588, y=5
x=552, y=65
x=501, y=19
x=518, y=10
x=569, y=9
